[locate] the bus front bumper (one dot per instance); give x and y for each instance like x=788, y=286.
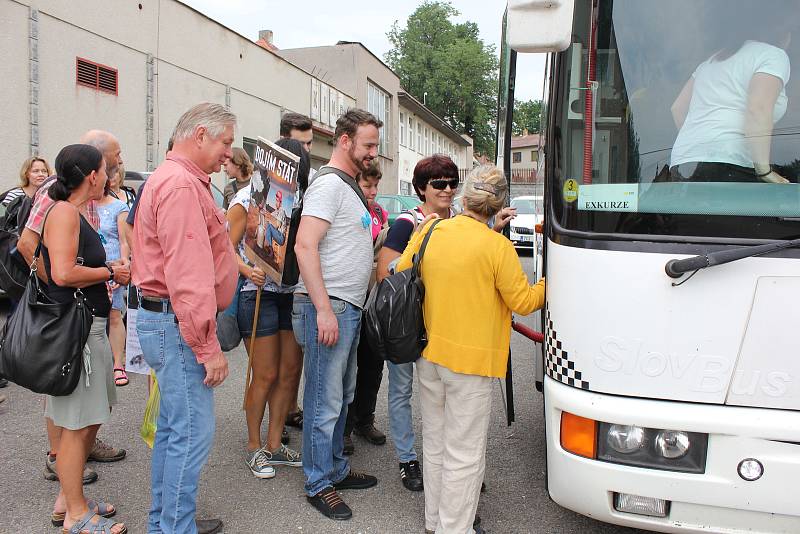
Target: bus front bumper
x=718, y=500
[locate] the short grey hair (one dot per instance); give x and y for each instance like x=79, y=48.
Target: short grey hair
x=214, y=117
x=100, y=139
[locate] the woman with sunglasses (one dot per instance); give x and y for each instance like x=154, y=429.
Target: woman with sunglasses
x=435, y=182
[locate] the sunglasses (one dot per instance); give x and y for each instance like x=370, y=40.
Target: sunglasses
x=441, y=183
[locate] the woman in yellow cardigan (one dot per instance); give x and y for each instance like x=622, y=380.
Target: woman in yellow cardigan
x=473, y=281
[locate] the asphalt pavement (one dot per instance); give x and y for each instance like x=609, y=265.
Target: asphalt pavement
x=516, y=500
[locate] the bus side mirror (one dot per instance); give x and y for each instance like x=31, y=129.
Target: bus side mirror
x=540, y=25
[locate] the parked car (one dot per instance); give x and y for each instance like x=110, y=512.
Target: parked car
x=529, y=214
x=135, y=179
x=397, y=204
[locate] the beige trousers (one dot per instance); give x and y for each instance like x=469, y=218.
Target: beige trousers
x=455, y=424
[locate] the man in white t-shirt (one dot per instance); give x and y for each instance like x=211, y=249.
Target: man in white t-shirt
x=334, y=254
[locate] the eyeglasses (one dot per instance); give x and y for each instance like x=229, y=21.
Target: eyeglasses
x=441, y=183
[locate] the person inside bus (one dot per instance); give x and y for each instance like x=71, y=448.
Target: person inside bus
x=726, y=111
x=473, y=282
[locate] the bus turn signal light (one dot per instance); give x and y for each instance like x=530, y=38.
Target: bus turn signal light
x=538, y=228
x=579, y=435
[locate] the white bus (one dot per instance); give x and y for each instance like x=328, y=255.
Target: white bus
x=671, y=132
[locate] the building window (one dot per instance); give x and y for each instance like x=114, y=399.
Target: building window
x=379, y=104
x=405, y=188
x=534, y=155
x=97, y=76
x=419, y=137
x=410, y=133
x=516, y=157
x=427, y=142
x=403, y=129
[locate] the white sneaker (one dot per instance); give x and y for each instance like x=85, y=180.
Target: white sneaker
x=259, y=464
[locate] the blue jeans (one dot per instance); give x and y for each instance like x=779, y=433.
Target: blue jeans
x=185, y=424
x=401, y=428
x=330, y=383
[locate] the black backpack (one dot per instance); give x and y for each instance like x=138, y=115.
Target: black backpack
x=14, y=271
x=393, y=316
x=291, y=271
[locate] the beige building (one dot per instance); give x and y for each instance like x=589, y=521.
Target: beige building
x=357, y=71
x=133, y=69
x=525, y=152
x=422, y=133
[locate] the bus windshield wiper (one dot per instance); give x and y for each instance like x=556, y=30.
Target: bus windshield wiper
x=677, y=268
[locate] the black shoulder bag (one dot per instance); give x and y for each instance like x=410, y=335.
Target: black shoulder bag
x=42, y=344
x=291, y=271
x=393, y=317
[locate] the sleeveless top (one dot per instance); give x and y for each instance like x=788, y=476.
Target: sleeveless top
x=90, y=249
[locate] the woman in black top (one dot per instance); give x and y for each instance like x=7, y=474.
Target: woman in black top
x=74, y=259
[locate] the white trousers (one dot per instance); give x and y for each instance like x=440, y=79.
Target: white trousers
x=455, y=423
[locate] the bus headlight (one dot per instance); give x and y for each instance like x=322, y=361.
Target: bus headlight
x=652, y=448
x=625, y=439
x=672, y=443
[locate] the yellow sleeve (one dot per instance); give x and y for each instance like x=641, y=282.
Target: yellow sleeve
x=414, y=243
x=512, y=283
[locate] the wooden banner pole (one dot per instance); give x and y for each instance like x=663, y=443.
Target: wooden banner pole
x=252, y=347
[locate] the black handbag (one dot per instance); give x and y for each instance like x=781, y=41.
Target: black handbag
x=228, y=333
x=43, y=341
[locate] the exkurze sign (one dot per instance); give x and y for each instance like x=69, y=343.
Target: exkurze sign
x=608, y=197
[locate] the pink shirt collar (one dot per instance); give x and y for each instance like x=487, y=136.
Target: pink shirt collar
x=189, y=165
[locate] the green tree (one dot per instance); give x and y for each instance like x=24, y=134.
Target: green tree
x=527, y=116
x=450, y=63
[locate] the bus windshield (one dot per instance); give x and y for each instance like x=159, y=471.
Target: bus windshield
x=689, y=115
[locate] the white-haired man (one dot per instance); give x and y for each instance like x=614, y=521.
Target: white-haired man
x=185, y=269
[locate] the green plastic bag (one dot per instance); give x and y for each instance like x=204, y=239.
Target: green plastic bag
x=149, y=424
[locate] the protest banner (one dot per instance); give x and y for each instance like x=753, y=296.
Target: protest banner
x=273, y=190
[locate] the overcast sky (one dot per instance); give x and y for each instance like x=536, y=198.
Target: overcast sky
x=324, y=22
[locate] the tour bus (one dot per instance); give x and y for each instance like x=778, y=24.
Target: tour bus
x=670, y=369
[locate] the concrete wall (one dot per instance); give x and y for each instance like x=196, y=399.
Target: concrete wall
x=194, y=59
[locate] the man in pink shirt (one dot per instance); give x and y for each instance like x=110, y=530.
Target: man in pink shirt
x=185, y=269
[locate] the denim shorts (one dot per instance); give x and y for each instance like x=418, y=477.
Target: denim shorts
x=274, y=313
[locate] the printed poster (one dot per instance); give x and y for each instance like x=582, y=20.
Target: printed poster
x=332, y=109
x=339, y=106
x=315, y=99
x=273, y=189
x=324, y=101
x=134, y=359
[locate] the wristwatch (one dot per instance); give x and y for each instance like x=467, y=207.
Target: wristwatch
x=110, y=272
